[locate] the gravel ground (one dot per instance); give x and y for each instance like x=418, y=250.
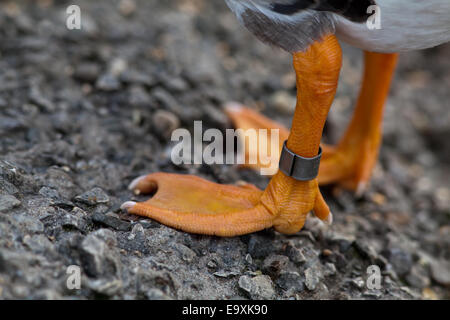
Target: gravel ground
x=82, y=113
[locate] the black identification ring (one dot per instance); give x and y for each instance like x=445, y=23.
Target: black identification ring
x=298, y=167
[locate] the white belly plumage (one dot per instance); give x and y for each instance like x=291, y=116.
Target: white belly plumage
x=405, y=25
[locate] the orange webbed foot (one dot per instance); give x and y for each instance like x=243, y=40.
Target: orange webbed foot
x=195, y=205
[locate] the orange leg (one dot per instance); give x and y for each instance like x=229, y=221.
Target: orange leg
x=350, y=163
x=198, y=206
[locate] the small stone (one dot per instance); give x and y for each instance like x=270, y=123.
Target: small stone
x=400, y=260
x=99, y=254
x=343, y=241
x=366, y=250
x=358, y=282
x=70, y=220
x=106, y=287
x=312, y=278
x=127, y=7
x=156, y=294
x=440, y=272
x=28, y=223
x=93, y=197
x=295, y=254
x=49, y=193
x=147, y=279
x=39, y=100
x=418, y=277
x=165, y=122
x=186, y=253
x=290, y=280
x=87, y=72
x=329, y=270
x=111, y=221
x=257, y=246
x=258, y=288
x=273, y=264
x=8, y=202
x=226, y=274
x=137, y=233
x=107, y=82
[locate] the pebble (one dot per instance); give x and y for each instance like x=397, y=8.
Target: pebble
x=107, y=82
x=93, y=197
x=290, y=280
x=99, y=254
x=295, y=254
x=111, y=221
x=312, y=278
x=418, y=277
x=329, y=270
x=440, y=272
x=186, y=253
x=8, y=202
x=400, y=260
x=127, y=7
x=274, y=264
x=258, y=288
x=165, y=122
x=87, y=72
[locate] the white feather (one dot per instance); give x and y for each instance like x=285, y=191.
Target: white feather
x=405, y=25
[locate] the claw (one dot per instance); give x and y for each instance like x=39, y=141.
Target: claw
x=329, y=219
x=133, y=185
x=127, y=205
x=361, y=189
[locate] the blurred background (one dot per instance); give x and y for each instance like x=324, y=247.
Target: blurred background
x=82, y=112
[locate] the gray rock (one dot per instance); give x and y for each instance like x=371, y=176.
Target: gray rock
x=329, y=269
x=73, y=221
x=440, y=272
x=226, y=274
x=400, y=260
x=366, y=250
x=111, y=221
x=93, y=197
x=40, y=100
x=186, y=253
x=8, y=202
x=258, y=288
x=108, y=82
x=274, y=264
x=105, y=286
x=257, y=246
x=28, y=224
x=87, y=72
x=148, y=280
x=165, y=122
x=312, y=277
x=156, y=294
x=99, y=254
x=418, y=277
x=290, y=280
x=358, y=282
x=295, y=254
x=344, y=241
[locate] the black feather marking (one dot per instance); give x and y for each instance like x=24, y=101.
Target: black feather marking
x=293, y=8
x=355, y=10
